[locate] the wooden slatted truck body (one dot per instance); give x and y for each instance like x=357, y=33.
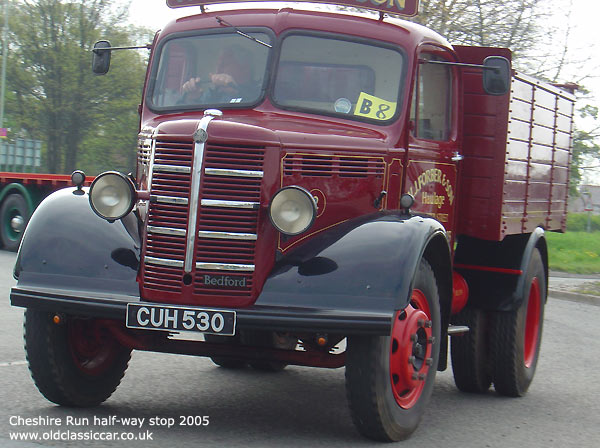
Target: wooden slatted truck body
x=307, y=180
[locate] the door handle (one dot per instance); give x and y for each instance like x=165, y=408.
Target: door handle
x=457, y=157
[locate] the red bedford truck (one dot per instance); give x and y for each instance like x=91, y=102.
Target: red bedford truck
x=309, y=181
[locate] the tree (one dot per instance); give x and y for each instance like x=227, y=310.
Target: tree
x=540, y=47
x=517, y=25
x=586, y=150
x=54, y=95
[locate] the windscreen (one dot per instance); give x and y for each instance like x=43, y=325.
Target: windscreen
x=339, y=77
x=210, y=70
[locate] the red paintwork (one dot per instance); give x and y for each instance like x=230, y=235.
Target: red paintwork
x=460, y=292
x=408, y=368
x=532, y=323
x=489, y=269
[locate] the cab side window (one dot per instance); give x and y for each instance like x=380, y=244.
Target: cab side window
x=431, y=110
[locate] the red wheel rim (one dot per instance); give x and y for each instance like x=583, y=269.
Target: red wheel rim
x=92, y=349
x=532, y=323
x=410, y=351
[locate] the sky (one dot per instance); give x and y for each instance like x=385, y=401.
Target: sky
x=576, y=18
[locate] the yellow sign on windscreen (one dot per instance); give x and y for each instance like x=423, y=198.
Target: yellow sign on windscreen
x=374, y=107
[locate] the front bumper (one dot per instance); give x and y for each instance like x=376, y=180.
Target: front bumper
x=276, y=318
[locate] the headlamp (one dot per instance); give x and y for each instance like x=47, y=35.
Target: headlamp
x=292, y=210
x=112, y=195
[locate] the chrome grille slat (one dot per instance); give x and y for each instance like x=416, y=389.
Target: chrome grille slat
x=225, y=267
x=234, y=173
x=166, y=231
x=172, y=169
x=171, y=200
x=164, y=262
x=229, y=204
x=227, y=235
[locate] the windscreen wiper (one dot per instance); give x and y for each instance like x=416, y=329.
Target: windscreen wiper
x=241, y=33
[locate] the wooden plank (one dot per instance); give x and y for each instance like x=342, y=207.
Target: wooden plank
x=521, y=90
x=563, y=140
x=542, y=135
x=561, y=157
x=543, y=98
x=563, y=123
x=540, y=153
x=520, y=109
x=518, y=130
x=517, y=150
x=544, y=117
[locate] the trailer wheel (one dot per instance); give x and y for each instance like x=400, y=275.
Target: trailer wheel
x=14, y=216
x=517, y=335
x=470, y=353
x=222, y=361
x=74, y=363
x=389, y=379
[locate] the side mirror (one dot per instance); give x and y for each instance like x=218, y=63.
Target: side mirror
x=101, y=57
x=496, y=75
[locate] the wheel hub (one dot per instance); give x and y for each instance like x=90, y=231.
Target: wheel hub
x=532, y=323
x=17, y=223
x=410, y=353
x=92, y=350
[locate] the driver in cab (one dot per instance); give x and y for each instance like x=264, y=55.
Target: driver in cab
x=232, y=82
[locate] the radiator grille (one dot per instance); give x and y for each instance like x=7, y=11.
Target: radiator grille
x=226, y=243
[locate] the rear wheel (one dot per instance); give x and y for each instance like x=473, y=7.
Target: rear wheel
x=389, y=379
x=14, y=216
x=74, y=363
x=517, y=335
x=471, y=363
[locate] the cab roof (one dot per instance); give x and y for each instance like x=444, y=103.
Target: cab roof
x=365, y=25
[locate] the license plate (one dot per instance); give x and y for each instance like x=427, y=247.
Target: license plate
x=176, y=318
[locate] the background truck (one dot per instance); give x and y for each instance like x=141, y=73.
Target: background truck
x=22, y=188
x=313, y=188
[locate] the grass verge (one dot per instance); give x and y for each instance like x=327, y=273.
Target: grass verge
x=577, y=252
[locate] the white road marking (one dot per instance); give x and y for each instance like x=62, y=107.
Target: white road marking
x=13, y=363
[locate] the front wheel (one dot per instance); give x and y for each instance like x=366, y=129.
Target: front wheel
x=76, y=362
x=389, y=379
x=517, y=335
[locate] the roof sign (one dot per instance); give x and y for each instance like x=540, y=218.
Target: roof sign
x=407, y=8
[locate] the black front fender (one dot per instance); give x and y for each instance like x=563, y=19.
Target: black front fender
x=364, y=265
x=66, y=246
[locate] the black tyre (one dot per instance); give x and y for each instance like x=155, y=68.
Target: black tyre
x=517, y=335
x=14, y=216
x=389, y=379
x=222, y=361
x=74, y=363
x=471, y=357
